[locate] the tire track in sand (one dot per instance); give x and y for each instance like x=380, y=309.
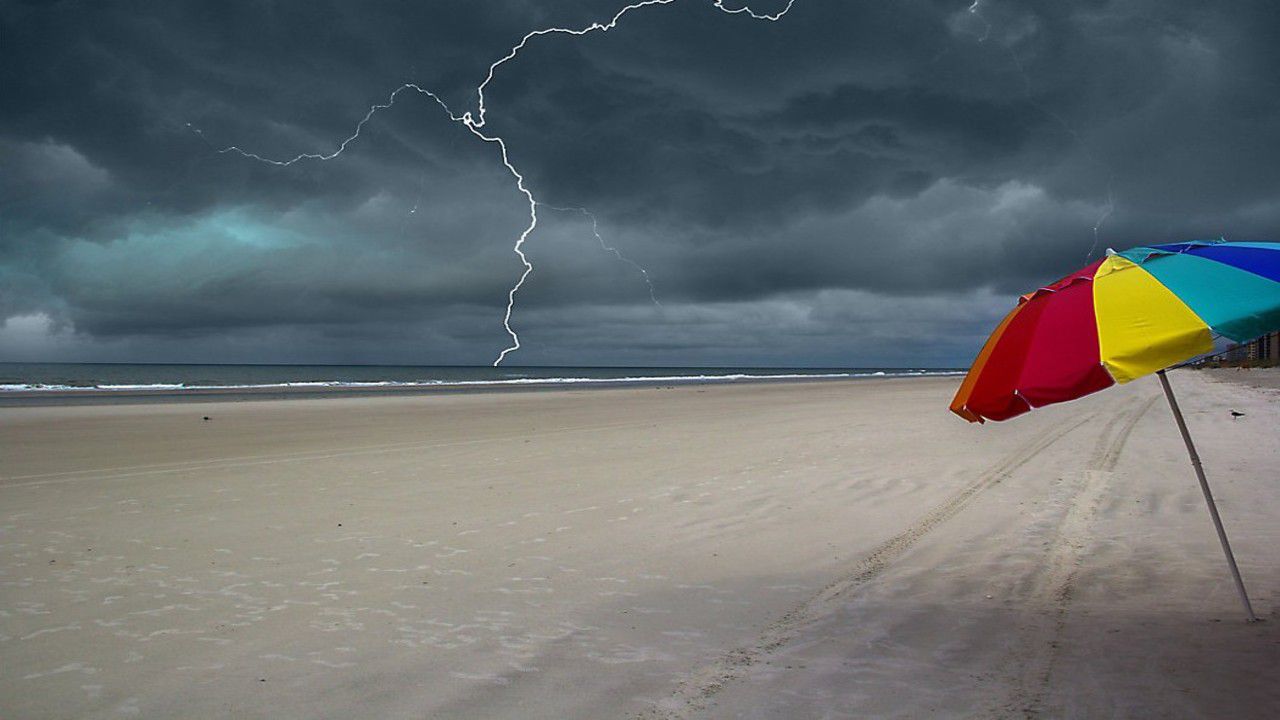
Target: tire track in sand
x=697, y=691
x=1056, y=587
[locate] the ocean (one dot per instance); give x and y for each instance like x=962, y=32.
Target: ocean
x=31, y=378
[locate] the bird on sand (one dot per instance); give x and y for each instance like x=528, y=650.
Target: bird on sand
x=1236, y=414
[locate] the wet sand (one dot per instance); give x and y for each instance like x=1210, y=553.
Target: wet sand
x=834, y=549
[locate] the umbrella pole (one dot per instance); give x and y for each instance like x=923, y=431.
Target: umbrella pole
x=1208, y=496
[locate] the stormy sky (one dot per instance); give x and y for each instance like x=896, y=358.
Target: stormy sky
x=858, y=184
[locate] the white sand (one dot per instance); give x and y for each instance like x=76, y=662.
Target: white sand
x=839, y=549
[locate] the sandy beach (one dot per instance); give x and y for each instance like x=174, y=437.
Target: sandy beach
x=787, y=550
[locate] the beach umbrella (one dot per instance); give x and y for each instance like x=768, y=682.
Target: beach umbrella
x=1127, y=315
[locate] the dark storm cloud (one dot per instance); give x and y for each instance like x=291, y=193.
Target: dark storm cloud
x=861, y=182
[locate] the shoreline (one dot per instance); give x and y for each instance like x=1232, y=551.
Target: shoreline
x=99, y=396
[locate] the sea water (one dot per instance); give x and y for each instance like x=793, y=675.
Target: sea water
x=27, y=378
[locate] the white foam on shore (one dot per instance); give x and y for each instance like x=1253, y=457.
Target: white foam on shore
x=344, y=384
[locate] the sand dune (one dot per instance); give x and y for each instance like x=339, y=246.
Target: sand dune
x=833, y=549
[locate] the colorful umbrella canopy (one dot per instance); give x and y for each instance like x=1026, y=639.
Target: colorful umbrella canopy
x=1127, y=315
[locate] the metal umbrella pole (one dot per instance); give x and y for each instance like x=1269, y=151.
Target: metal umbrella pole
x=1208, y=496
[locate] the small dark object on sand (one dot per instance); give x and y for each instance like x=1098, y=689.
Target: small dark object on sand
x=1235, y=414
x=206, y=417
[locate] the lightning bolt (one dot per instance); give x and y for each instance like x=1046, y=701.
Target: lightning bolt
x=974, y=11
x=475, y=124
x=595, y=230
x=1110, y=207
x=1102, y=218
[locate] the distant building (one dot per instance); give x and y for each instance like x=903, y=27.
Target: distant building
x=1263, y=351
x=1266, y=349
